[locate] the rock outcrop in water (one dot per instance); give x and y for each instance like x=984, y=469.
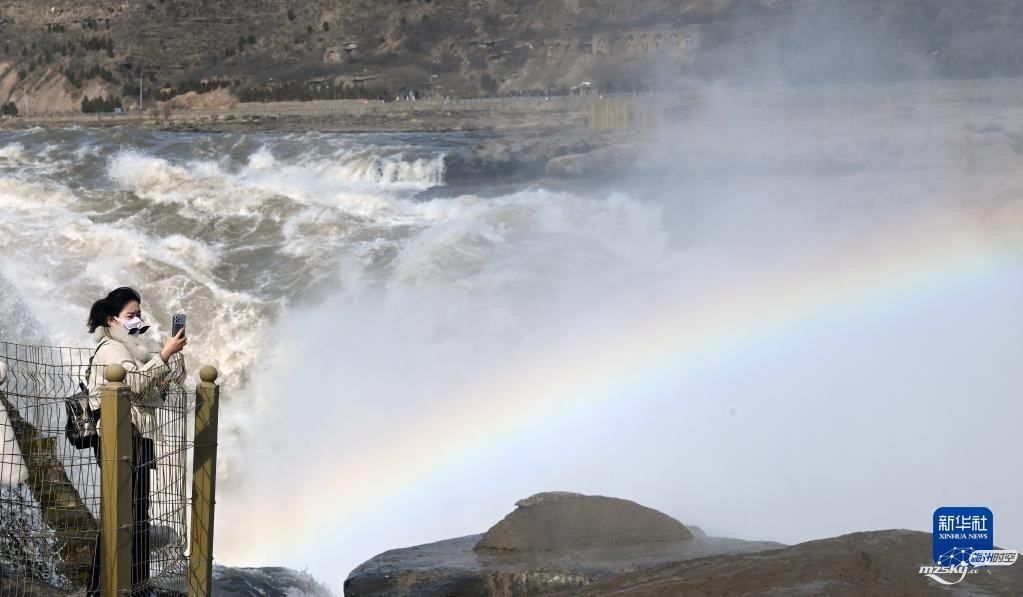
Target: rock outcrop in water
x=561, y=520
x=551, y=542
x=571, y=544
x=227, y=582
x=272, y=581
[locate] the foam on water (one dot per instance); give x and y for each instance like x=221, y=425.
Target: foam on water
x=151, y=177
x=235, y=229
x=12, y=151
x=365, y=332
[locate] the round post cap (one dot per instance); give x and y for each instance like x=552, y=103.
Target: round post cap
x=208, y=374
x=115, y=373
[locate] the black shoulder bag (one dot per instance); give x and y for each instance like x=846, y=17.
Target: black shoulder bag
x=80, y=429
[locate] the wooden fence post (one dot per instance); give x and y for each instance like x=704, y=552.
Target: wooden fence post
x=115, y=489
x=204, y=484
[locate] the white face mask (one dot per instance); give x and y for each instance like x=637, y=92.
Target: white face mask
x=135, y=325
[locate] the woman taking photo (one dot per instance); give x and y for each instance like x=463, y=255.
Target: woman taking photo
x=117, y=326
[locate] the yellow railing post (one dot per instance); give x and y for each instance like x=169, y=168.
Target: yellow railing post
x=204, y=484
x=115, y=491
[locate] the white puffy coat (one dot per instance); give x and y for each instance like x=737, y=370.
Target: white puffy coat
x=147, y=374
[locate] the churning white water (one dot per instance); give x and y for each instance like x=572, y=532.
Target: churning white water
x=248, y=234
x=746, y=350
x=220, y=227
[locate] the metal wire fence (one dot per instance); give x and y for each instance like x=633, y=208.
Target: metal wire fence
x=50, y=489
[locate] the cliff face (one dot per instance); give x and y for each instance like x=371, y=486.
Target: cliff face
x=53, y=54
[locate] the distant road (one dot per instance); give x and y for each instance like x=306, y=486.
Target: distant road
x=338, y=115
x=887, y=100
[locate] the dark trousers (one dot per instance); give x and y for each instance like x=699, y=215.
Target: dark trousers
x=141, y=463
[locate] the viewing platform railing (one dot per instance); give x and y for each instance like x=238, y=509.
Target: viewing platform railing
x=123, y=497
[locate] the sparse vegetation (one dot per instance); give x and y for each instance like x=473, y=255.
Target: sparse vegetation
x=100, y=104
x=79, y=75
x=243, y=41
x=9, y=109
x=323, y=90
x=494, y=48
x=99, y=43
x=168, y=91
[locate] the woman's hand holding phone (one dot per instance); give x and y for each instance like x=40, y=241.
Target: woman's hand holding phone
x=174, y=345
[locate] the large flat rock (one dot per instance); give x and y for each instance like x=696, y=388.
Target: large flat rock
x=869, y=563
x=552, y=541
x=453, y=567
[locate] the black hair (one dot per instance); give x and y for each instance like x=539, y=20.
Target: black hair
x=110, y=306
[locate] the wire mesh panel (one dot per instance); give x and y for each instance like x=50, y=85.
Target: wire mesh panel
x=50, y=489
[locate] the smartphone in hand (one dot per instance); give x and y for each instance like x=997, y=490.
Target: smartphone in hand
x=177, y=322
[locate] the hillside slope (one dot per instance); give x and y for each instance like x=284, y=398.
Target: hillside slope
x=55, y=53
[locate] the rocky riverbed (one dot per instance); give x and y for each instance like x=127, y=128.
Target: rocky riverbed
x=551, y=542
x=570, y=544
x=227, y=582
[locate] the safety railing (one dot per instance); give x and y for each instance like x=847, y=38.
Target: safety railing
x=108, y=514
